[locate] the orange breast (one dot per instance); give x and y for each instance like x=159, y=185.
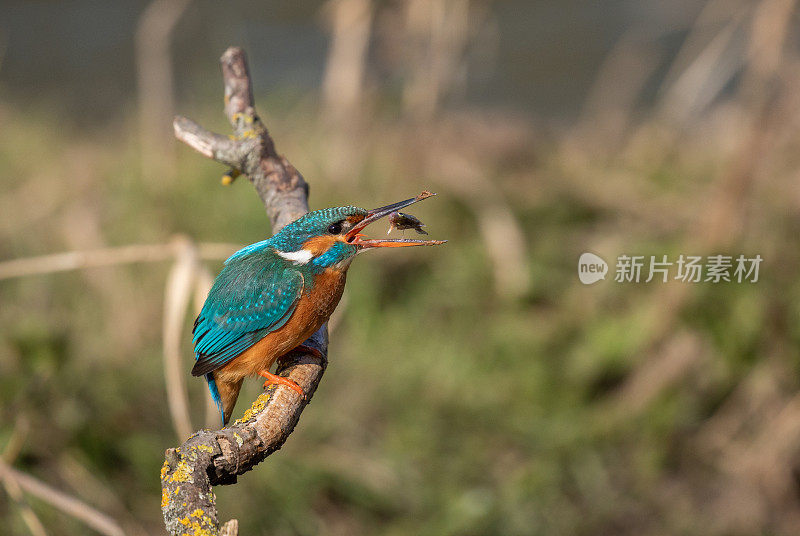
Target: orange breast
x=313, y=309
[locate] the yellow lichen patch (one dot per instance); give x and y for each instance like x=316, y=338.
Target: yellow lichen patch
x=203, y=527
x=177, y=489
x=197, y=530
x=192, y=454
x=205, y=448
x=164, y=469
x=258, y=405
x=164, y=498
x=183, y=473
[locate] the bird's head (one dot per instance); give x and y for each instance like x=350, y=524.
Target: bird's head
x=331, y=237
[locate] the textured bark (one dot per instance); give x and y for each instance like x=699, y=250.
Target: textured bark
x=210, y=458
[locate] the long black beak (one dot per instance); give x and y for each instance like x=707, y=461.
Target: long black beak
x=354, y=235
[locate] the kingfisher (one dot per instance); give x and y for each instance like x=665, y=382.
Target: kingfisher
x=273, y=295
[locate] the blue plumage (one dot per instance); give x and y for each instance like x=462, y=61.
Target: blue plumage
x=263, y=284
x=252, y=296
x=212, y=387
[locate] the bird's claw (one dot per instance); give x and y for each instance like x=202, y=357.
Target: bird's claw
x=280, y=380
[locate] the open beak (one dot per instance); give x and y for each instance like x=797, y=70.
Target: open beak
x=355, y=237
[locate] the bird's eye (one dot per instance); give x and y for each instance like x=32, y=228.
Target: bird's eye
x=335, y=228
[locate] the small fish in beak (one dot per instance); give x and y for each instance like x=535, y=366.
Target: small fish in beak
x=355, y=237
x=402, y=221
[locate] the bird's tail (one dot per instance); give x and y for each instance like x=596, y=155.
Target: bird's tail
x=212, y=386
x=224, y=394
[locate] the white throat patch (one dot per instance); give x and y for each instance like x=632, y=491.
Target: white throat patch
x=302, y=256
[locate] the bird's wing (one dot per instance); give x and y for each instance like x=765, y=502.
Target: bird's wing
x=249, y=299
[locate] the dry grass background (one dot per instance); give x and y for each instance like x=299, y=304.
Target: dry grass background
x=508, y=398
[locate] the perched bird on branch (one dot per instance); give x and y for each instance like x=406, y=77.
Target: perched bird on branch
x=274, y=294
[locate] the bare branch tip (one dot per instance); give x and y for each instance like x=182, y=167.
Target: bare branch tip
x=231, y=53
x=179, y=124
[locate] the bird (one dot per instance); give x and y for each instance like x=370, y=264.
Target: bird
x=271, y=296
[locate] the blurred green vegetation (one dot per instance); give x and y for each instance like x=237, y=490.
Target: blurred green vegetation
x=454, y=403
x=447, y=408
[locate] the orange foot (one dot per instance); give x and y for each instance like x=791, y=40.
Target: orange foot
x=280, y=380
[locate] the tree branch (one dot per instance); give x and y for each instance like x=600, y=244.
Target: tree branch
x=211, y=458
x=220, y=148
